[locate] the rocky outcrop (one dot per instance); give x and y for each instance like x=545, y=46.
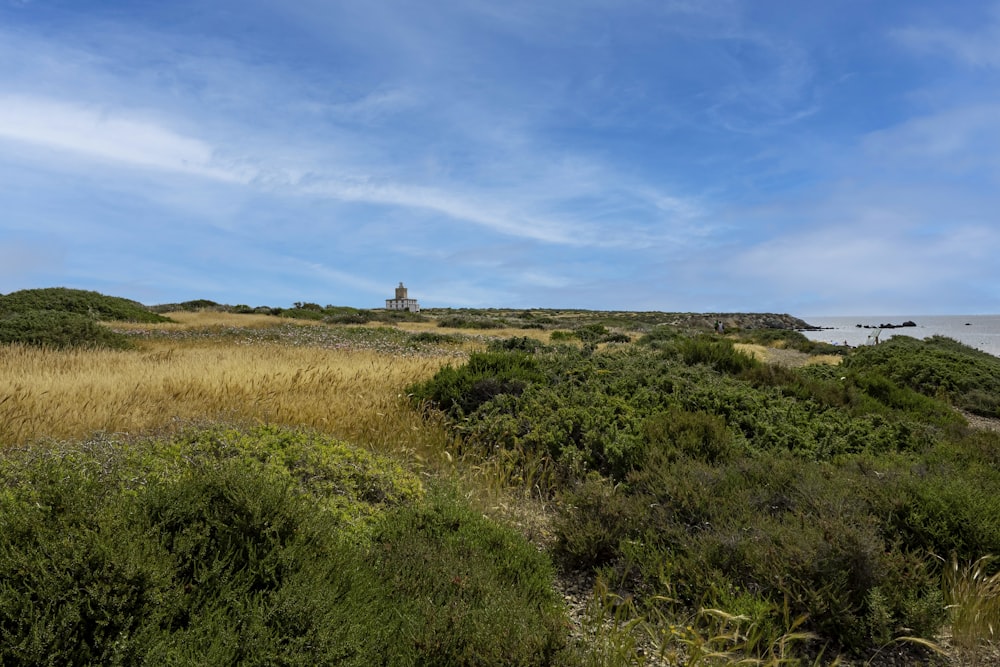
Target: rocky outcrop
x=907, y=323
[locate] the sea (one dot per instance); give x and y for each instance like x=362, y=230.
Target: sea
x=979, y=331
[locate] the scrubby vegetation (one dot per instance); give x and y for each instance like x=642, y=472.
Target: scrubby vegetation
x=300, y=310
x=462, y=322
x=53, y=328
x=936, y=366
x=259, y=547
x=306, y=485
x=694, y=476
x=62, y=318
x=92, y=304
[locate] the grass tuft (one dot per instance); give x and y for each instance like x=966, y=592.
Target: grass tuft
x=972, y=594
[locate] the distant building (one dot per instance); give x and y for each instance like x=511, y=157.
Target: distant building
x=402, y=301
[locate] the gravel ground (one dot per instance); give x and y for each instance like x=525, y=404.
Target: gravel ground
x=984, y=423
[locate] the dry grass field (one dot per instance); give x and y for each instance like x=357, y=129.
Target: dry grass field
x=786, y=357
x=349, y=392
x=432, y=327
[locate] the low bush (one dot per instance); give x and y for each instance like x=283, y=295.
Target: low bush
x=91, y=304
x=720, y=354
x=58, y=329
x=697, y=475
x=303, y=314
x=436, y=338
x=460, y=322
x=936, y=366
x=460, y=391
x=259, y=547
x=466, y=591
x=195, y=306
x=516, y=343
x=348, y=316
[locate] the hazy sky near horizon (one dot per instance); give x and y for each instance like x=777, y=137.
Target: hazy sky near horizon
x=840, y=157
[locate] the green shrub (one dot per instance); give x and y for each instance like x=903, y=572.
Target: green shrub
x=81, y=302
x=436, y=338
x=260, y=547
x=194, y=306
x=720, y=354
x=460, y=391
x=802, y=539
x=516, y=344
x=703, y=479
x=597, y=516
x=661, y=337
x=303, y=314
x=697, y=435
x=51, y=328
x=466, y=591
x=345, y=315
x=591, y=333
x=459, y=322
x=934, y=367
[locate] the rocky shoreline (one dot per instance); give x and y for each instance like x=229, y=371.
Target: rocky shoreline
x=907, y=323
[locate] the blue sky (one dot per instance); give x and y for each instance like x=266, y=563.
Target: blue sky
x=680, y=155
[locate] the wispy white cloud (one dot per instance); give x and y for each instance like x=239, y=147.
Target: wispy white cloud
x=512, y=188
x=313, y=270
x=602, y=152
x=961, y=138
x=109, y=136
x=978, y=46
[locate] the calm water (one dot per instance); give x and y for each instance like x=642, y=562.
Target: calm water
x=979, y=331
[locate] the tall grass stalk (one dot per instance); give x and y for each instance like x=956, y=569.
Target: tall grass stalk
x=623, y=632
x=972, y=596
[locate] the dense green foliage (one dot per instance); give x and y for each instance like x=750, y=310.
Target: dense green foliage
x=61, y=317
x=630, y=321
x=937, y=366
x=698, y=476
x=53, y=328
x=460, y=322
x=93, y=304
x=192, y=306
x=460, y=391
x=261, y=547
x=343, y=314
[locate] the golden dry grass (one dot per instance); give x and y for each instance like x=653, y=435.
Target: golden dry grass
x=972, y=592
x=784, y=356
x=828, y=359
x=209, y=319
x=352, y=394
x=419, y=327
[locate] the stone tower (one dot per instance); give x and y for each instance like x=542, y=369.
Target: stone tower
x=402, y=301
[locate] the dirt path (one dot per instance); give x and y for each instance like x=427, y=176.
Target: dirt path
x=984, y=423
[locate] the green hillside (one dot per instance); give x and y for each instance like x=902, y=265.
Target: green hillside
x=81, y=302
x=62, y=318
